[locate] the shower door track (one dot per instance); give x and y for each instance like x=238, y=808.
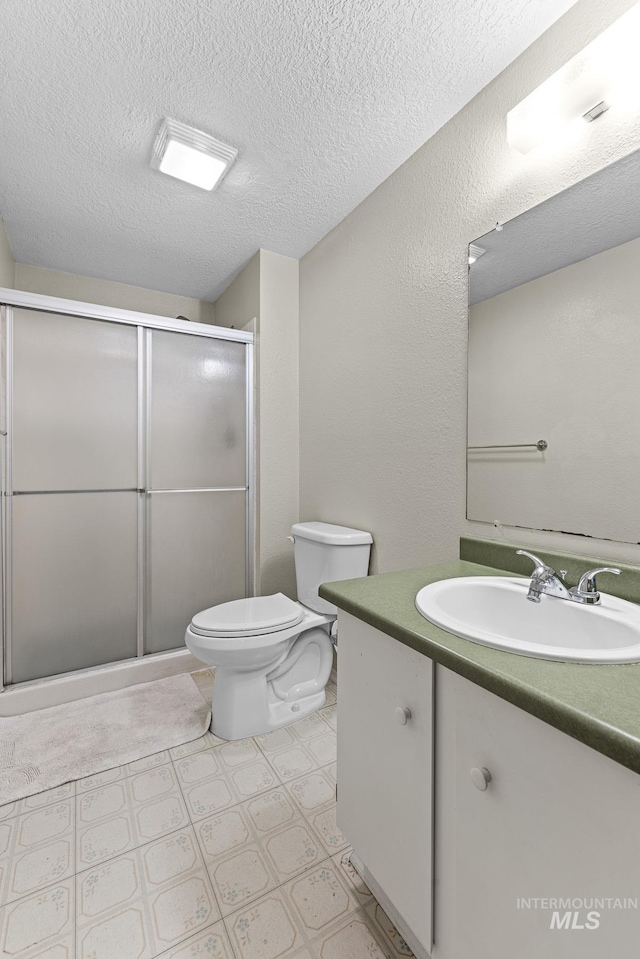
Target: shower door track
x=145, y=323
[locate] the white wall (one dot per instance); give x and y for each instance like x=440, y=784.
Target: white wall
x=88, y=289
x=266, y=291
x=557, y=359
x=383, y=312
x=7, y=263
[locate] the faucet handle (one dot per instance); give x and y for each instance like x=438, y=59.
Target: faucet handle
x=540, y=563
x=587, y=590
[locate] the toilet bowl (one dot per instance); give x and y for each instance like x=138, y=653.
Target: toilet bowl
x=273, y=655
x=273, y=659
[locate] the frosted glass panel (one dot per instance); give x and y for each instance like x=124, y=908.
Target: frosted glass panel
x=197, y=559
x=75, y=403
x=198, y=408
x=74, y=590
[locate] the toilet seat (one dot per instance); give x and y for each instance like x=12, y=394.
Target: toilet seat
x=253, y=616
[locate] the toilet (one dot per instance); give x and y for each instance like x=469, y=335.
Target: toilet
x=273, y=656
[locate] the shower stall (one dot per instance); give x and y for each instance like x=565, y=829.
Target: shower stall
x=127, y=492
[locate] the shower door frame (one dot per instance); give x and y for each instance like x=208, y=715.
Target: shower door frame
x=144, y=322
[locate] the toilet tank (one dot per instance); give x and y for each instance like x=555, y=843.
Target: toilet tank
x=325, y=553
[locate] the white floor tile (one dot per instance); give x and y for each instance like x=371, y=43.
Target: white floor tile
x=127, y=813
x=331, y=771
x=292, y=763
x=312, y=791
x=270, y=811
x=331, y=693
x=195, y=746
x=273, y=742
x=36, y=850
x=293, y=849
x=9, y=810
x=330, y=715
x=265, y=930
x=256, y=777
x=220, y=835
x=239, y=753
x=206, y=796
x=386, y=932
x=311, y=726
x=241, y=877
x=323, y=748
x=49, y=796
x=212, y=943
x=350, y=939
x=199, y=766
x=37, y=923
x=100, y=779
x=354, y=881
x=324, y=823
x=152, y=898
x=166, y=845
x=125, y=933
x=319, y=899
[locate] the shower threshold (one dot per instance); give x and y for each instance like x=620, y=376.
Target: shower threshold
x=67, y=687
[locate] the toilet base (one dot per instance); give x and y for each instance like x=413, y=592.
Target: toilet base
x=279, y=714
x=253, y=702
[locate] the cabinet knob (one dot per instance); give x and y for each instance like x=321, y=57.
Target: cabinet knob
x=480, y=777
x=403, y=715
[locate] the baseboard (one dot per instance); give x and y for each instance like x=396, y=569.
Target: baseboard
x=418, y=950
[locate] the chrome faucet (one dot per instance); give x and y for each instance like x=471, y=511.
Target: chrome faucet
x=545, y=580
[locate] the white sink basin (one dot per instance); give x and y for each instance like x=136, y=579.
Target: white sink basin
x=495, y=611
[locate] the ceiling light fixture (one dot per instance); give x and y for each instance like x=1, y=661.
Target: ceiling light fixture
x=191, y=155
x=604, y=75
x=475, y=252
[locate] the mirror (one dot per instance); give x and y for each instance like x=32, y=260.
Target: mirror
x=554, y=363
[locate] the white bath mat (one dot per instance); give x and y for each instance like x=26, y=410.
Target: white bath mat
x=52, y=746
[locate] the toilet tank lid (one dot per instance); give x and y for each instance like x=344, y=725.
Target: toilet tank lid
x=333, y=535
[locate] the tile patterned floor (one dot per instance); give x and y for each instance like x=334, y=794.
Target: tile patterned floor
x=211, y=849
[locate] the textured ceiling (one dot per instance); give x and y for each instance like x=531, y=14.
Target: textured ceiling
x=323, y=99
x=596, y=214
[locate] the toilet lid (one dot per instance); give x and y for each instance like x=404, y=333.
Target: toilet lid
x=248, y=617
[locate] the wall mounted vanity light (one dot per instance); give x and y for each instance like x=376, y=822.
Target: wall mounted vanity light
x=604, y=75
x=191, y=155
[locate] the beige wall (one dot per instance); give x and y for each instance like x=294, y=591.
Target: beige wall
x=278, y=413
x=383, y=312
x=240, y=302
x=7, y=263
x=266, y=291
x=88, y=289
x=557, y=358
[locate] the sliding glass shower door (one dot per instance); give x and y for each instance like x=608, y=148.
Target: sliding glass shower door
x=73, y=470
x=196, y=480
x=126, y=482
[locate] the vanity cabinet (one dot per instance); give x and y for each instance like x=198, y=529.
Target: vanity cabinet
x=385, y=778
x=523, y=814
x=557, y=820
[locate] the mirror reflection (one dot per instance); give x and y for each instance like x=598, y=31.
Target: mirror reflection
x=554, y=350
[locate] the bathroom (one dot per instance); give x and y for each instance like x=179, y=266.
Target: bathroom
x=372, y=148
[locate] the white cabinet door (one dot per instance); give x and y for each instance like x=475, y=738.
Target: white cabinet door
x=385, y=766
x=558, y=821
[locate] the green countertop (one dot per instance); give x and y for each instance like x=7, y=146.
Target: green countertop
x=598, y=705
